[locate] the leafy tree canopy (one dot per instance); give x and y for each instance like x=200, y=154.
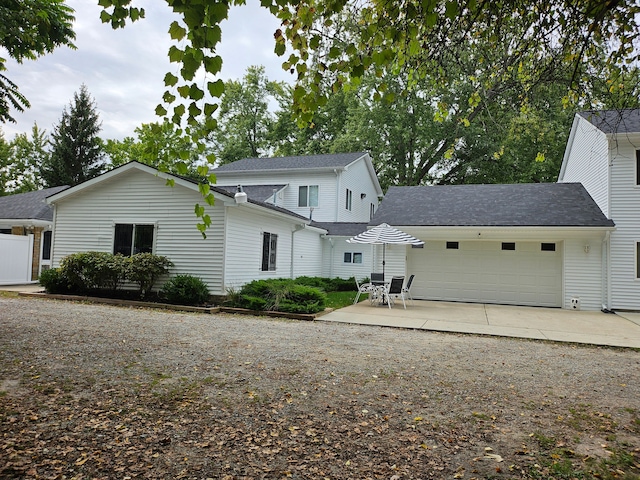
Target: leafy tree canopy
x=336, y=42
x=28, y=29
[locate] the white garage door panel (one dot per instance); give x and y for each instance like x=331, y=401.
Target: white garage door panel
x=483, y=272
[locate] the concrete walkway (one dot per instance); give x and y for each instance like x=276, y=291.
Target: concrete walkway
x=596, y=328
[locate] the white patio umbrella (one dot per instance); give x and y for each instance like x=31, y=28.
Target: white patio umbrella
x=385, y=234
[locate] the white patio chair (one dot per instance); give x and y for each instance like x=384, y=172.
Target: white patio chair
x=363, y=288
x=407, y=288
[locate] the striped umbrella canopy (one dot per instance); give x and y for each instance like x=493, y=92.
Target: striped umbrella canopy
x=385, y=234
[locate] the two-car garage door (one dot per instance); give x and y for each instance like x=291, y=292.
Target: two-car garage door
x=519, y=273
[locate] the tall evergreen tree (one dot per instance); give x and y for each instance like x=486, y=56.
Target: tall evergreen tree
x=77, y=152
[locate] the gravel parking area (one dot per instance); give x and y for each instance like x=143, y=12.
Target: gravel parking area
x=94, y=391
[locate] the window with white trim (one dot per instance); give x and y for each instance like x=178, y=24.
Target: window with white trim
x=638, y=260
x=46, y=245
x=638, y=167
x=348, y=199
x=308, y=196
x=352, y=257
x=269, y=248
x=131, y=238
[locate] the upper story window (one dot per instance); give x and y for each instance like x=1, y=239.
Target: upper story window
x=638, y=167
x=269, y=249
x=349, y=200
x=372, y=210
x=130, y=239
x=308, y=196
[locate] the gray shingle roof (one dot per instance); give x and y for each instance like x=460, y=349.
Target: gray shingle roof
x=519, y=205
x=337, y=160
x=341, y=229
x=270, y=206
x=614, y=121
x=30, y=205
x=261, y=193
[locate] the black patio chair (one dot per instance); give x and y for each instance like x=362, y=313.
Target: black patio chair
x=394, y=291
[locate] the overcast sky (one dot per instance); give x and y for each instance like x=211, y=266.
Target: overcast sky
x=124, y=69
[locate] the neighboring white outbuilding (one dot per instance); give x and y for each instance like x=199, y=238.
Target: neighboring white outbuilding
x=603, y=153
x=26, y=223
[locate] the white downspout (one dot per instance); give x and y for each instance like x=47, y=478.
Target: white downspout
x=335, y=170
x=606, y=273
x=296, y=229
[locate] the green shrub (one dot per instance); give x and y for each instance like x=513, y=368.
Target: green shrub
x=54, y=281
x=145, y=269
x=94, y=270
x=281, y=295
x=329, y=284
x=185, y=290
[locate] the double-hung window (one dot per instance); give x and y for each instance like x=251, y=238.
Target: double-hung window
x=308, y=196
x=348, y=200
x=269, y=248
x=131, y=238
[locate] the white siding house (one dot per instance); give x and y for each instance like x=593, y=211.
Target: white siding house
x=602, y=154
x=339, y=188
x=87, y=216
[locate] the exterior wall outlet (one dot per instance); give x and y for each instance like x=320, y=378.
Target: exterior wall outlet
x=575, y=303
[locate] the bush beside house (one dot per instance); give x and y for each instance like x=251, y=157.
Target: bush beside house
x=105, y=274
x=102, y=272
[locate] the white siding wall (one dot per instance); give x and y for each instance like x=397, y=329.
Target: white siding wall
x=357, y=179
x=395, y=259
x=85, y=222
x=331, y=191
x=243, y=255
x=334, y=259
x=588, y=162
x=583, y=273
x=307, y=254
x=324, y=212
x=625, y=212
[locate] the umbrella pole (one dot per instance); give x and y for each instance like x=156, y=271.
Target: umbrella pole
x=384, y=257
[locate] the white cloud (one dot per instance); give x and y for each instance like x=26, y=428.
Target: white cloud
x=124, y=69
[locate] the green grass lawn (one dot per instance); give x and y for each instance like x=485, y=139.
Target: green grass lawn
x=342, y=299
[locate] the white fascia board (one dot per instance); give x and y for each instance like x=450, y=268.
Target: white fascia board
x=26, y=221
x=117, y=172
x=503, y=233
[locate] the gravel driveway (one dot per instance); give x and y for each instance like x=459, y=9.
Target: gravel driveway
x=93, y=391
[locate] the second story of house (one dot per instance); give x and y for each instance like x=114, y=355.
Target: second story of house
x=603, y=153
x=326, y=188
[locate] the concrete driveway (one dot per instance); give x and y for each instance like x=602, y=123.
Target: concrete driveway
x=596, y=328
